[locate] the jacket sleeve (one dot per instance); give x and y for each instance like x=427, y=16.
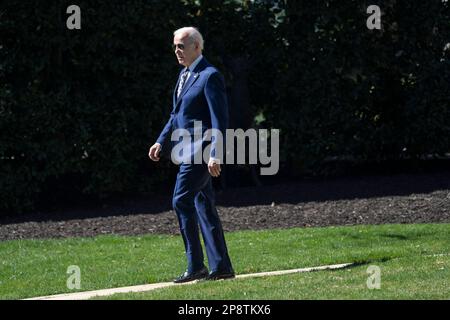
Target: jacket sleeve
x=216, y=97
x=167, y=128
x=165, y=132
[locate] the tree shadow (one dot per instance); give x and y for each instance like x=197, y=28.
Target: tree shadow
x=336, y=188
x=278, y=190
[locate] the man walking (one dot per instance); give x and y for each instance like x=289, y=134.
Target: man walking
x=198, y=96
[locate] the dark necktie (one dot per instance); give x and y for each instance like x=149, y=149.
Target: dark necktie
x=182, y=81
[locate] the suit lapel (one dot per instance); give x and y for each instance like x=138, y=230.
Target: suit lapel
x=192, y=78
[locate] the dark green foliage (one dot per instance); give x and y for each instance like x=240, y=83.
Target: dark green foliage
x=343, y=89
x=80, y=108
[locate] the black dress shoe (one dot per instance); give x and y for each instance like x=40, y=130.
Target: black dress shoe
x=218, y=275
x=191, y=276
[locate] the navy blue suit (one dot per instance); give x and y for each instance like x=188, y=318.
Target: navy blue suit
x=203, y=98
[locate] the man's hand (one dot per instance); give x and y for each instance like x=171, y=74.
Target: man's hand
x=154, y=152
x=214, y=167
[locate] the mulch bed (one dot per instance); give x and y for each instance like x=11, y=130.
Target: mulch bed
x=402, y=198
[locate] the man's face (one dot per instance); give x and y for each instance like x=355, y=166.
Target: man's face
x=185, y=50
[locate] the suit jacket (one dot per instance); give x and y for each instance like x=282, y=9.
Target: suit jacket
x=203, y=98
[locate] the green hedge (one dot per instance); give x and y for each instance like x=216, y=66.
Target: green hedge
x=79, y=109
x=342, y=89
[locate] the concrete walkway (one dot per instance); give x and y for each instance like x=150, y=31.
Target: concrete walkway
x=148, y=287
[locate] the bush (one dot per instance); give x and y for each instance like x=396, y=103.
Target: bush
x=343, y=89
x=79, y=109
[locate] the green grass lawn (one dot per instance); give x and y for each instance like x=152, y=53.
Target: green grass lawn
x=402, y=278
x=403, y=252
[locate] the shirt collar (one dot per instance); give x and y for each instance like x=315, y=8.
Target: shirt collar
x=195, y=63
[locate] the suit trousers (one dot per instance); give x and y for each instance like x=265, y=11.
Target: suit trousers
x=194, y=203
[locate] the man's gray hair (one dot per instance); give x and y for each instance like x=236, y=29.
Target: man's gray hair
x=193, y=34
